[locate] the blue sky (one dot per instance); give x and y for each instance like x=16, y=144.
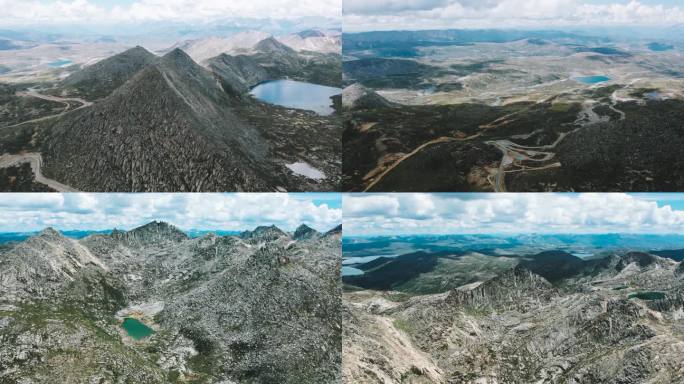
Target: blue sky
x=363, y=15
x=395, y=214
x=29, y=212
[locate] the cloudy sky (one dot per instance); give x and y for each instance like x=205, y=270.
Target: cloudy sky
x=31, y=212
x=94, y=12
x=395, y=214
x=365, y=15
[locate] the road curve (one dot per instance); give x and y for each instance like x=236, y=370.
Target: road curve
x=64, y=100
x=36, y=161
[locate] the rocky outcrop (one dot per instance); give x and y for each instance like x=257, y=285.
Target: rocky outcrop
x=517, y=288
x=356, y=96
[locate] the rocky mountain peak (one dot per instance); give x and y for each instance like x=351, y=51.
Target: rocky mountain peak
x=311, y=33
x=264, y=233
x=153, y=232
x=50, y=232
x=178, y=59
x=335, y=231
x=100, y=79
x=137, y=51
x=641, y=259
x=271, y=45
x=304, y=232
x=515, y=288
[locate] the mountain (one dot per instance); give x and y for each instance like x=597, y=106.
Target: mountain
x=518, y=327
x=264, y=233
x=203, y=49
x=154, y=232
x=42, y=265
x=100, y=79
x=314, y=40
x=218, y=309
x=356, y=96
x=304, y=232
x=554, y=265
x=171, y=127
x=237, y=73
x=337, y=231
x=273, y=46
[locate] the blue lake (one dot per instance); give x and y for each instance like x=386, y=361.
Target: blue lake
x=136, y=329
x=592, y=79
x=297, y=94
x=60, y=63
x=350, y=271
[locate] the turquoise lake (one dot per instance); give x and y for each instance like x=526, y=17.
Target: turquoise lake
x=592, y=79
x=297, y=94
x=136, y=329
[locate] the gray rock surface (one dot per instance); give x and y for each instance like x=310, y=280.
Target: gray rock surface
x=599, y=325
x=257, y=308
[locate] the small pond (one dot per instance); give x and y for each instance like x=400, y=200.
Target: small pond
x=647, y=295
x=136, y=328
x=592, y=79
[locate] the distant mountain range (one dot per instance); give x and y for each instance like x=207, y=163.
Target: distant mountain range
x=314, y=40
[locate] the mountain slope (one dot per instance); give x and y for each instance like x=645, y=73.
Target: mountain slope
x=519, y=328
x=237, y=73
x=100, y=79
x=170, y=128
x=221, y=309
x=203, y=49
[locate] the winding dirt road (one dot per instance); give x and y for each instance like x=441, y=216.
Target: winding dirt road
x=438, y=140
x=67, y=101
x=36, y=162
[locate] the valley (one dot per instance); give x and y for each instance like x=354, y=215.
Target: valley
x=489, y=110
x=179, y=118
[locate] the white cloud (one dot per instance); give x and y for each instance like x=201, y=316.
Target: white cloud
x=18, y=12
x=30, y=212
x=362, y=15
x=507, y=213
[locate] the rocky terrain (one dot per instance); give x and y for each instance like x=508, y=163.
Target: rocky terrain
x=550, y=318
x=261, y=307
x=139, y=122
x=528, y=111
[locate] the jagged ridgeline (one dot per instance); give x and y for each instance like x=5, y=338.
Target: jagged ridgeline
x=152, y=305
x=141, y=122
x=549, y=317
